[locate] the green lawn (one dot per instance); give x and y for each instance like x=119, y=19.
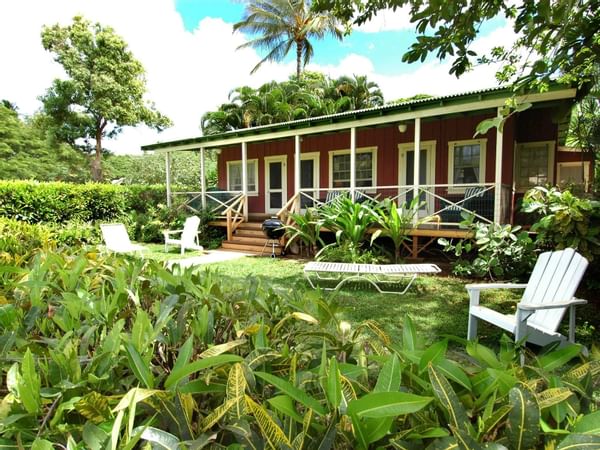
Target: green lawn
x=157, y=253
x=437, y=304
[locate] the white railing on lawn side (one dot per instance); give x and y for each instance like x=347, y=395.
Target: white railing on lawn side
x=442, y=202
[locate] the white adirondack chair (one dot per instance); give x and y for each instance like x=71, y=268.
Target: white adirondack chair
x=548, y=294
x=188, y=238
x=117, y=240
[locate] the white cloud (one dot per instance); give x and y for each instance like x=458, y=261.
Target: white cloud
x=188, y=73
x=388, y=20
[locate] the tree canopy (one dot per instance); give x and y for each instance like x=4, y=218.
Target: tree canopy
x=558, y=40
x=282, y=24
x=104, y=90
x=314, y=95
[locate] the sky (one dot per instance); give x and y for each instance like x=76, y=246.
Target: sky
x=189, y=52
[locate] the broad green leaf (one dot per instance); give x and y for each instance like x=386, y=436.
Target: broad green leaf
x=409, y=335
x=202, y=387
x=558, y=358
x=40, y=444
x=216, y=414
x=297, y=394
x=483, y=355
x=553, y=396
x=185, y=353
x=29, y=384
x=195, y=366
x=453, y=372
x=334, y=384
x=94, y=437
x=433, y=353
x=390, y=376
x=140, y=368
x=387, y=404
x=495, y=418
x=445, y=443
x=359, y=432
x=236, y=388
x=457, y=415
x=588, y=424
x=159, y=438
x=285, y=405
x=580, y=441
x=522, y=427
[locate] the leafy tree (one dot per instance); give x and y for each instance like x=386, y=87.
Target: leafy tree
x=282, y=24
x=105, y=88
x=26, y=153
x=314, y=95
x=560, y=38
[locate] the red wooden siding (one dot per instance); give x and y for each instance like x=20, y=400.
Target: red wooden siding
x=529, y=126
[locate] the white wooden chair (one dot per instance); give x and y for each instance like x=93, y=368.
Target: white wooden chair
x=188, y=238
x=117, y=240
x=548, y=294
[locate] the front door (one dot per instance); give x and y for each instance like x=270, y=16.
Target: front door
x=426, y=174
x=275, y=182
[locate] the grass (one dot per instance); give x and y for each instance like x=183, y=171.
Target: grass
x=437, y=304
x=157, y=253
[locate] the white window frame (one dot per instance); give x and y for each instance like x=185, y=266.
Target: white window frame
x=586, y=171
x=239, y=161
x=372, y=150
x=519, y=147
x=283, y=160
x=482, y=158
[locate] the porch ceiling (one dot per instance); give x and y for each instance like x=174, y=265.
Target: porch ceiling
x=476, y=101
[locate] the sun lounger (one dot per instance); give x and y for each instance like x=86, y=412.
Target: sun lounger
x=375, y=274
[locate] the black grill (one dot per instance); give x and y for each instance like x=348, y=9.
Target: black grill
x=273, y=228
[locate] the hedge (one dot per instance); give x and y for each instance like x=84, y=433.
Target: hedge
x=58, y=202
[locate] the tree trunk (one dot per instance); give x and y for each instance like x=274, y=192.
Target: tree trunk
x=299, y=46
x=97, y=161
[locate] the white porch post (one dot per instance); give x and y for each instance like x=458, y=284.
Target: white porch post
x=296, y=164
x=352, y=161
x=245, y=178
x=168, y=177
x=498, y=175
x=417, y=162
x=202, y=178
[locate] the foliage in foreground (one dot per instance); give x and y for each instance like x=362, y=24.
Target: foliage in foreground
x=108, y=353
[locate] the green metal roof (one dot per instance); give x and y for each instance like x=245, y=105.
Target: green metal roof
x=350, y=116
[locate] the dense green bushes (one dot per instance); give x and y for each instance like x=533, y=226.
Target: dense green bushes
x=100, y=352
x=57, y=202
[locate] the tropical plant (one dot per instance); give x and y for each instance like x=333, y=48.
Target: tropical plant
x=564, y=220
x=358, y=93
x=103, y=352
x=394, y=223
x=500, y=251
x=282, y=24
x=305, y=228
x=104, y=91
x=349, y=220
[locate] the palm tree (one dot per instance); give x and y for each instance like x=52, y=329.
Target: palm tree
x=282, y=24
x=359, y=92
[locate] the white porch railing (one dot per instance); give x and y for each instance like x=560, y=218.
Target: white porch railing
x=444, y=202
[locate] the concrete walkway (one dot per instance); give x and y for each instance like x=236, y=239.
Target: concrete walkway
x=210, y=256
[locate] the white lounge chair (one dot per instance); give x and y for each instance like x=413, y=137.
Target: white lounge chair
x=117, y=240
x=376, y=274
x=189, y=235
x=548, y=294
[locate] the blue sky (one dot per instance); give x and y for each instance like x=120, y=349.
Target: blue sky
x=190, y=55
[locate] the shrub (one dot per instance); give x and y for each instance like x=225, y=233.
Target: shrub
x=495, y=251
x=564, y=220
x=19, y=241
x=117, y=350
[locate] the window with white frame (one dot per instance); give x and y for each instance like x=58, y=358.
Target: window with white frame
x=534, y=163
x=576, y=173
x=366, y=166
x=466, y=161
x=234, y=175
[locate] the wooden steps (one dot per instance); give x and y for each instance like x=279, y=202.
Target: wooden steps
x=249, y=238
